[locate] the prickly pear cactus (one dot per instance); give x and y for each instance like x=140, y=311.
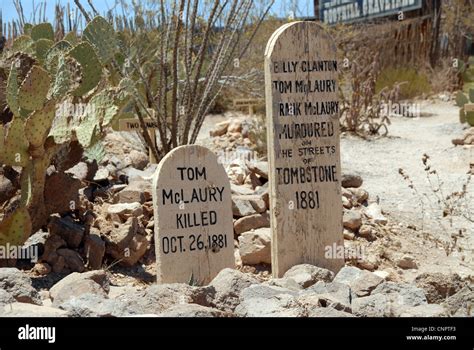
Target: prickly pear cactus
x=91, y=68
x=466, y=103
x=16, y=228
x=41, y=75
x=34, y=89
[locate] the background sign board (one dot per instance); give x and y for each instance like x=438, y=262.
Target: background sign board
x=347, y=11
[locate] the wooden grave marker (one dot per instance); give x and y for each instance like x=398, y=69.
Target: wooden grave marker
x=133, y=124
x=194, y=234
x=303, y=148
x=247, y=102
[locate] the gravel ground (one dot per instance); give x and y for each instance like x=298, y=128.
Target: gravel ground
x=378, y=162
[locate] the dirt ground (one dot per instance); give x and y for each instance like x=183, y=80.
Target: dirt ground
x=420, y=232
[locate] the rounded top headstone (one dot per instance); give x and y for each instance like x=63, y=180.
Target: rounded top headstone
x=193, y=216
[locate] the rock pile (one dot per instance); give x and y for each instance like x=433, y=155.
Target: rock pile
x=304, y=291
x=467, y=139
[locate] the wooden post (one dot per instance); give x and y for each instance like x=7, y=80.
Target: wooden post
x=303, y=148
x=151, y=154
x=134, y=125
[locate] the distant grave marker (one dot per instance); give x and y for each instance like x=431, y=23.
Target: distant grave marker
x=247, y=102
x=194, y=235
x=303, y=148
x=133, y=124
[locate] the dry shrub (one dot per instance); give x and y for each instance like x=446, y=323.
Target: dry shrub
x=416, y=82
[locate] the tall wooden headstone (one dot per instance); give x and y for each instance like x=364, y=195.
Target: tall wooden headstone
x=303, y=148
x=194, y=235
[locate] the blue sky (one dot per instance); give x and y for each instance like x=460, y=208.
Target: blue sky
x=280, y=8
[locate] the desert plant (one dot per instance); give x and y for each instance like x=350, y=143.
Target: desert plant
x=466, y=104
x=178, y=57
x=36, y=133
x=442, y=206
x=416, y=84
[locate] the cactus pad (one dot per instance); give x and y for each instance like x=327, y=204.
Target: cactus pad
x=39, y=123
x=24, y=44
x=52, y=56
x=96, y=151
x=103, y=38
x=62, y=81
x=105, y=108
x=16, y=228
x=34, y=89
x=461, y=99
x=42, y=31
x=462, y=116
x=91, y=68
x=72, y=38
x=42, y=46
x=86, y=131
x=471, y=95
x=15, y=147
x=12, y=90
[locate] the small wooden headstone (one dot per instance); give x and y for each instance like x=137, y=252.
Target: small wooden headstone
x=194, y=234
x=303, y=148
x=133, y=124
x=469, y=107
x=247, y=102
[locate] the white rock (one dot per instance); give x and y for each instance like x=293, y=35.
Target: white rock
x=255, y=246
x=374, y=212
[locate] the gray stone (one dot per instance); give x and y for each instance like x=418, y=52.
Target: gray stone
x=30, y=310
x=359, y=194
x=240, y=190
x=5, y=298
x=158, y=297
x=228, y=285
x=18, y=285
x=102, y=174
x=368, y=232
x=137, y=191
x=76, y=289
x=192, y=310
x=407, y=262
x=219, y=129
x=126, y=244
x=287, y=283
x=95, y=249
x=428, y=310
x=374, y=212
x=376, y=305
x=72, y=260
x=461, y=304
x=37, y=239
x=67, y=229
x=138, y=160
x=245, y=205
x=93, y=305
x=438, y=287
x=327, y=312
x=251, y=222
x=259, y=167
x=97, y=276
x=352, y=220
x=333, y=294
x=255, y=246
x=306, y=275
x=402, y=293
x=351, y=180
x=361, y=282
x=125, y=209
x=266, y=301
